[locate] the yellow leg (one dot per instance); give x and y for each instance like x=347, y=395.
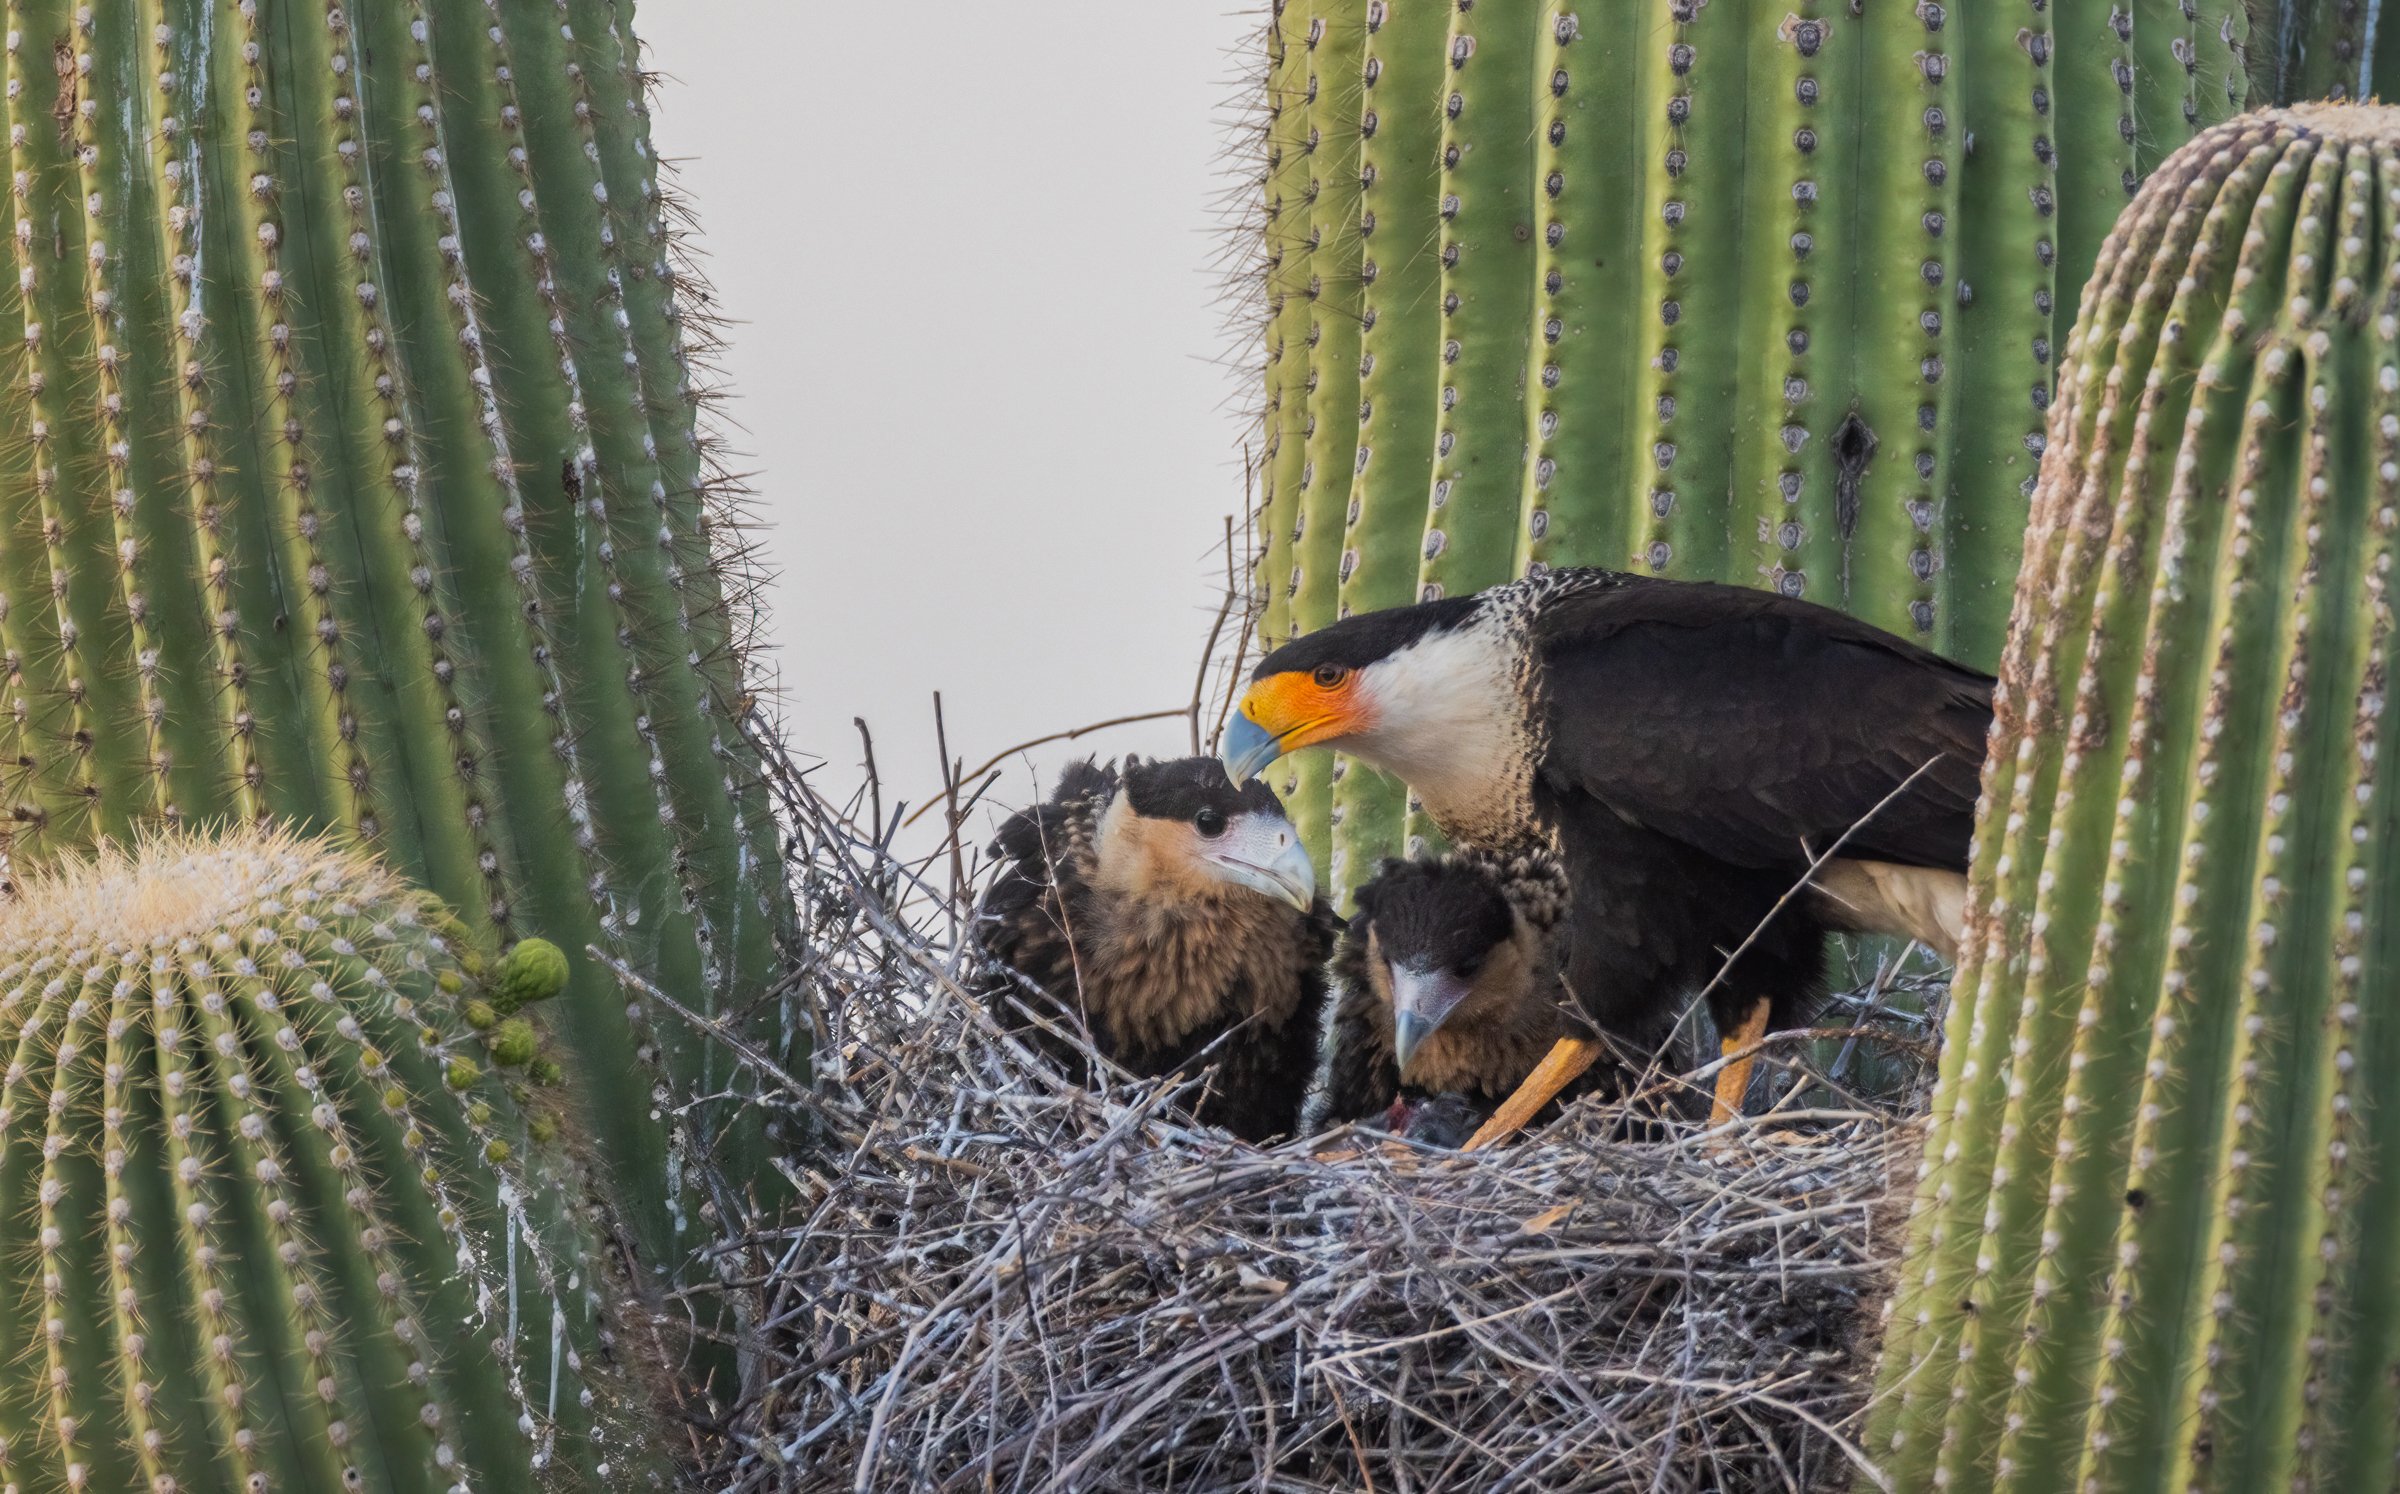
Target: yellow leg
x=1562, y=1066
x=1733, y=1080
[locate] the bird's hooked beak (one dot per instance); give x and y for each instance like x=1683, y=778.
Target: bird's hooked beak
x=1422, y=1000
x=1289, y=710
x=1248, y=748
x=1263, y=853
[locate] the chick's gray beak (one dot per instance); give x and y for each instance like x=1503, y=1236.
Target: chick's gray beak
x=1263, y=853
x=1246, y=749
x=1422, y=1000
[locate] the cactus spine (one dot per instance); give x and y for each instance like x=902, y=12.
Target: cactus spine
x=2154, y=1229
x=1700, y=291
x=364, y=490
x=286, y=1220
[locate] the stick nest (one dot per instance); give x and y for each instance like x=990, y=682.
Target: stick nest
x=997, y=1280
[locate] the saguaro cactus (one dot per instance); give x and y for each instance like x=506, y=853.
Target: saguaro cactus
x=2324, y=49
x=1692, y=290
x=276, y=1216
x=2154, y=1235
x=357, y=485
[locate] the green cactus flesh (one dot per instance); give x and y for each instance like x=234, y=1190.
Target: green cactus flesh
x=363, y=490
x=2154, y=1232
x=1697, y=290
x=271, y=1223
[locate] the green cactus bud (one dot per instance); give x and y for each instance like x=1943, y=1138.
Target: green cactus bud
x=1709, y=291
x=535, y=970
x=545, y=1072
x=2154, y=1230
x=199, y=1013
x=373, y=496
x=480, y=1015
x=462, y=1073
x=513, y=1044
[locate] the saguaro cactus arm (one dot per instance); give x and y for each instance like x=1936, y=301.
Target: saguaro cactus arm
x=2158, y=1172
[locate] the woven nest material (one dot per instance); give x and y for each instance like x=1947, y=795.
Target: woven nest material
x=999, y=1281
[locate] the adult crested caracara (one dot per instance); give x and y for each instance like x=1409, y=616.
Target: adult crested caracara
x=1447, y=984
x=1166, y=910
x=1688, y=750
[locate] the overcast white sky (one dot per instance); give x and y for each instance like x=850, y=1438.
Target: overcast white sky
x=968, y=248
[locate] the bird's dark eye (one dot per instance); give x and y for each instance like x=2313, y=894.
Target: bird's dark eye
x=1329, y=676
x=1209, y=823
x=1468, y=968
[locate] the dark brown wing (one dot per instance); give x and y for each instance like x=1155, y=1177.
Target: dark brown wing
x=1758, y=729
x=1261, y=1074
x=1031, y=902
x=1362, y=1080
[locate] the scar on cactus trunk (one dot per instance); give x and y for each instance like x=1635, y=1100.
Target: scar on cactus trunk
x=1713, y=291
x=279, y=1216
x=2155, y=1226
x=361, y=486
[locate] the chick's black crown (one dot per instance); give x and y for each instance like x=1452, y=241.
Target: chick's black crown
x=1187, y=787
x=1438, y=915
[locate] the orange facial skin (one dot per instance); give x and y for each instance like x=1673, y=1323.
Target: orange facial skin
x=1286, y=712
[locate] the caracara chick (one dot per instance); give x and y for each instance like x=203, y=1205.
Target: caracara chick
x=1449, y=985
x=1175, y=918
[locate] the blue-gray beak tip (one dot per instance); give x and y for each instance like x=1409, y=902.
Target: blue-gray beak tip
x=1409, y=1030
x=1246, y=749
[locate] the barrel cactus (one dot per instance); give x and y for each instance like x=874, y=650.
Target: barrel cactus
x=278, y=1218
x=358, y=488
x=1747, y=291
x=2154, y=1234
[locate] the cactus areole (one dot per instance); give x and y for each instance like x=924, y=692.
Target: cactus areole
x=353, y=483
x=1759, y=291
x=2155, y=1233
x=273, y=1218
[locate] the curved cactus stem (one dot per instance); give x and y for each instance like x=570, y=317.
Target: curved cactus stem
x=2151, y=764
x=2351, y=1425
x=2142, y=1240
x=2046, y=1138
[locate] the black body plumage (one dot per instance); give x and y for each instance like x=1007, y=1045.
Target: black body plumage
x=1685, y=749
x=1105, y=926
